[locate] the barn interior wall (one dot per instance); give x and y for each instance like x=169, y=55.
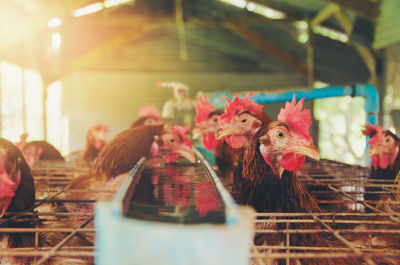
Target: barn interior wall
x=113, y=98
x=392, y=87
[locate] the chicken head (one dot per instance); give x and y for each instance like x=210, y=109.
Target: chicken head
x=207, y=124
x=173, y=144
x=96, y=136
x=384, y=146
x=286, y=141
x=240, y=121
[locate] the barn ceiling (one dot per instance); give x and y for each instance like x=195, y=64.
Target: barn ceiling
x=331, y=39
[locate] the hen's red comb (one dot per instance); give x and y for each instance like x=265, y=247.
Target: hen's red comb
x=100, y=127
x=182, y=132
x=374, y=132
x=149, y=111
x=237, y=104
x=203, y=109
x=298, y=119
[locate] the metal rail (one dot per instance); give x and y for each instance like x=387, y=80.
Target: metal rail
x=229, y=203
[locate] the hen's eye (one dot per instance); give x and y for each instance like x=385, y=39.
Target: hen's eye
x=387, y=140
x=172, y=141
x=280, y=134
x=244, y=120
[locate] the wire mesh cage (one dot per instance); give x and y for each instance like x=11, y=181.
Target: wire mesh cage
x=352, y=229
x=47, y=233
x=355, y=230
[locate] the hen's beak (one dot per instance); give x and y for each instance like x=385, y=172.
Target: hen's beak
x=188, y=154
x=307, y=150
x=374, y=150
x=224, y=132
x=197, y=132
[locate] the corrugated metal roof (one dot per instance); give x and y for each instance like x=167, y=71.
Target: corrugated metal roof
x=212, y=45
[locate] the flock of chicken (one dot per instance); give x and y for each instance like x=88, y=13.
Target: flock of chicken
x=258, y=155
x=262, y=157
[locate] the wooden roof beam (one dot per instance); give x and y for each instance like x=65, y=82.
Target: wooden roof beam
x=129, y=20
x=113, y=21
x=289, y=12
x=366, y=8
x=335, y=10
x=324, y=14
x=104, y=49
x=224, y=48
x=364, y=52
x=269, y=47
x=32, y=24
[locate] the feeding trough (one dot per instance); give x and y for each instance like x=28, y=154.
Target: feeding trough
x=172, y=214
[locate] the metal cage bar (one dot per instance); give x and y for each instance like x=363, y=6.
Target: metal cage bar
x=358, y=231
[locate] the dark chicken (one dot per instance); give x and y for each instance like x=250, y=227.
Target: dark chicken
x=124, y=151
x=207, y=124
x=148, y=115
x=385, y=157
x=269, y=182
x=17, y=191
x=38, y=150
x=277, y=150
x=241, y=120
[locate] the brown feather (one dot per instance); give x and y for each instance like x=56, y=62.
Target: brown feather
x=90, y=153
x=49, y=152
x=124, y=151
x=139, y=122
x=225, y=159
x=118, y=156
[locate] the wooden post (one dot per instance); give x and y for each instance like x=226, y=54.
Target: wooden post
x=310, y=78
x=183, y=54
x=44, y=103
x=24, y=113
x=1, y=102
x=310, y=55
